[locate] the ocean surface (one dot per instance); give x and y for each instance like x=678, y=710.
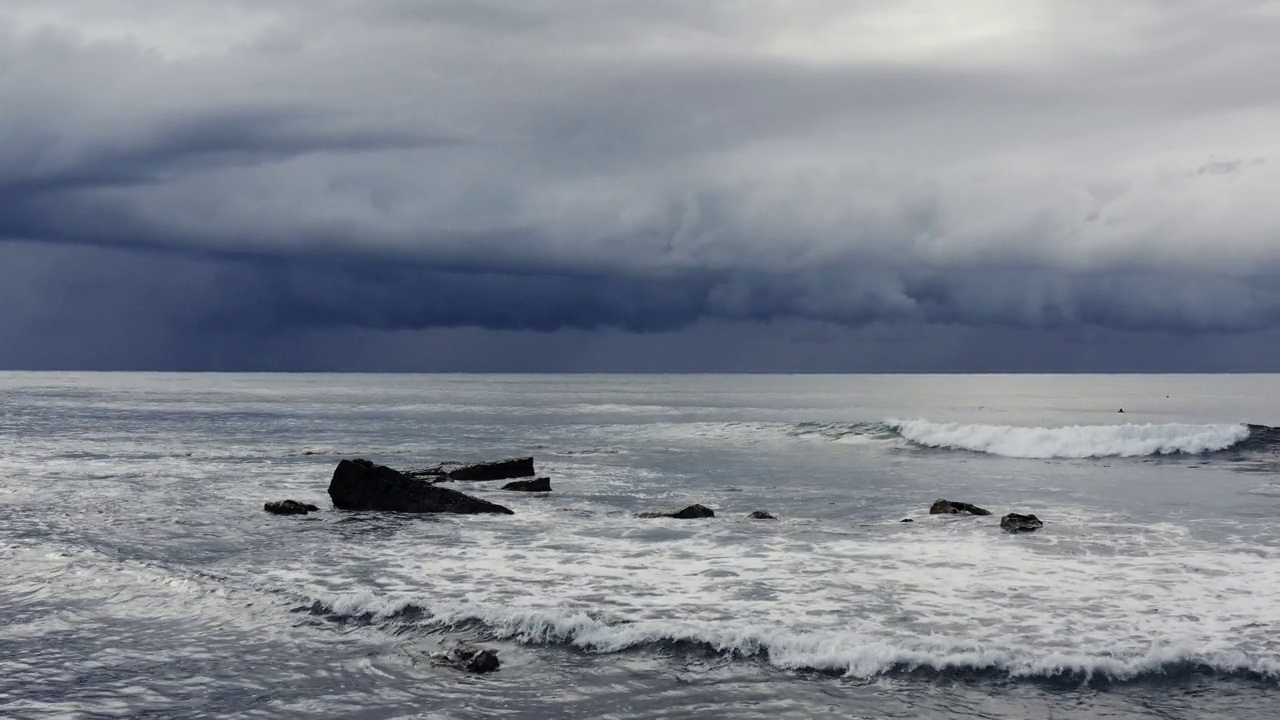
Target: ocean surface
x=140, y=577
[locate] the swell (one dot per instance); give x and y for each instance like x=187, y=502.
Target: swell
x=1077, y=441
x=821, y=652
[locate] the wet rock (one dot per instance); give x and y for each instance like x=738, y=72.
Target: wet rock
x=761, y=515
x=906, y=520
x=541, y=484
x=692, y=512
x=469, y=659
x=947, y=507
x=1015, y=523
x=361, y=485
x=289, y=507
x=478, y=472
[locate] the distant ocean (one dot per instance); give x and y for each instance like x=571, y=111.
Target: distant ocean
x=140, y=577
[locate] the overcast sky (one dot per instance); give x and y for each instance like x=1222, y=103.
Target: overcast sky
x=666, y=185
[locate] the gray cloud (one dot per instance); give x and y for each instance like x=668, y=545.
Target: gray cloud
x=268, y=169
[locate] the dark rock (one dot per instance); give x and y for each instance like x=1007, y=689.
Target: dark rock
x=906, y=520
x=761, y=515
x=946, y=507
x=478, y=472
x=690, y=513
x=469, y=659
x=1015, y=523
x=541, y=484
x=361, y=485
x=289, y=507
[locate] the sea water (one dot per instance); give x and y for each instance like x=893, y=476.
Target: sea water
x=140, y=577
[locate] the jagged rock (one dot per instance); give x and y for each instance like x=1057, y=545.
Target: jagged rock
x=761, y=515
x=469, y=659
x=289, y=507
x=947, y=507
x=1015, y=523
x=690, y=513
x=541, y=484
x=478, y=472
x=361, y=485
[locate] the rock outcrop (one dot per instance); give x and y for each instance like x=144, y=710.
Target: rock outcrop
x=761, y=515
x=1015, y=523
x=541, y=484
x=692, y=512
x=947, y=507
x=361, y=485
x=289, y=507
x=478, y=472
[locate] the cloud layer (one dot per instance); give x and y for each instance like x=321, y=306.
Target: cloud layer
x=175, y=172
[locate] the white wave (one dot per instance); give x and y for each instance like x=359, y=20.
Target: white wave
x=1076, y=441
x=853, y=654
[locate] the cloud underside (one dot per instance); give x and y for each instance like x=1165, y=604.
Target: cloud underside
x=553, y=168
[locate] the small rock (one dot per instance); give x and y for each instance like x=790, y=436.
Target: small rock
x=469, y=659
x=289, y=507
x=906, y=520
x=692, y=512
x=761, y=515
x=541, y=484
x=947, y=507
x=1015, y=523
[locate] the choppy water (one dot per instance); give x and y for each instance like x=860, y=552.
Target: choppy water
x=139, y=576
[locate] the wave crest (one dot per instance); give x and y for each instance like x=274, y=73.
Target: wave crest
x=1076, y=441
x=850, y=654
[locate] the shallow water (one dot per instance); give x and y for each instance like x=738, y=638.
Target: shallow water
x=139, y=576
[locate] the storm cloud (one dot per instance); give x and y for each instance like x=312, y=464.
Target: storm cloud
x=626, y=185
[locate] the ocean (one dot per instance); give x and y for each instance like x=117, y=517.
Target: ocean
x=140, y=577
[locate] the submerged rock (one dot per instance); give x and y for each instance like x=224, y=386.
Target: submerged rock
x=361, y=485
x=289, y=507
x=761, y=515
x=906, y=520
x=947, y=507
x=469, y=659
x=541, y=484
x=1015, y=523
x=692, y=512
x=478, y=472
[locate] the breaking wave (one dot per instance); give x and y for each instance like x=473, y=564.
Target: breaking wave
x=849, y=654
x=1076, y=441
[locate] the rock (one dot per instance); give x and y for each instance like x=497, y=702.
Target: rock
x=1015, y=523
x=361, y=485
x=469, y=659
x=946, y=507
x=478, y=472
x=692, y=512
x=289, y=507
x=761, y=515
x=906, y=520
x=541, y=484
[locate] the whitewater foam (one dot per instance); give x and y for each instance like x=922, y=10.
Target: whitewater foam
x=940, y=595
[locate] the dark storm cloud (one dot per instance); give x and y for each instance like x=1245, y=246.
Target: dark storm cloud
x=273, y=168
